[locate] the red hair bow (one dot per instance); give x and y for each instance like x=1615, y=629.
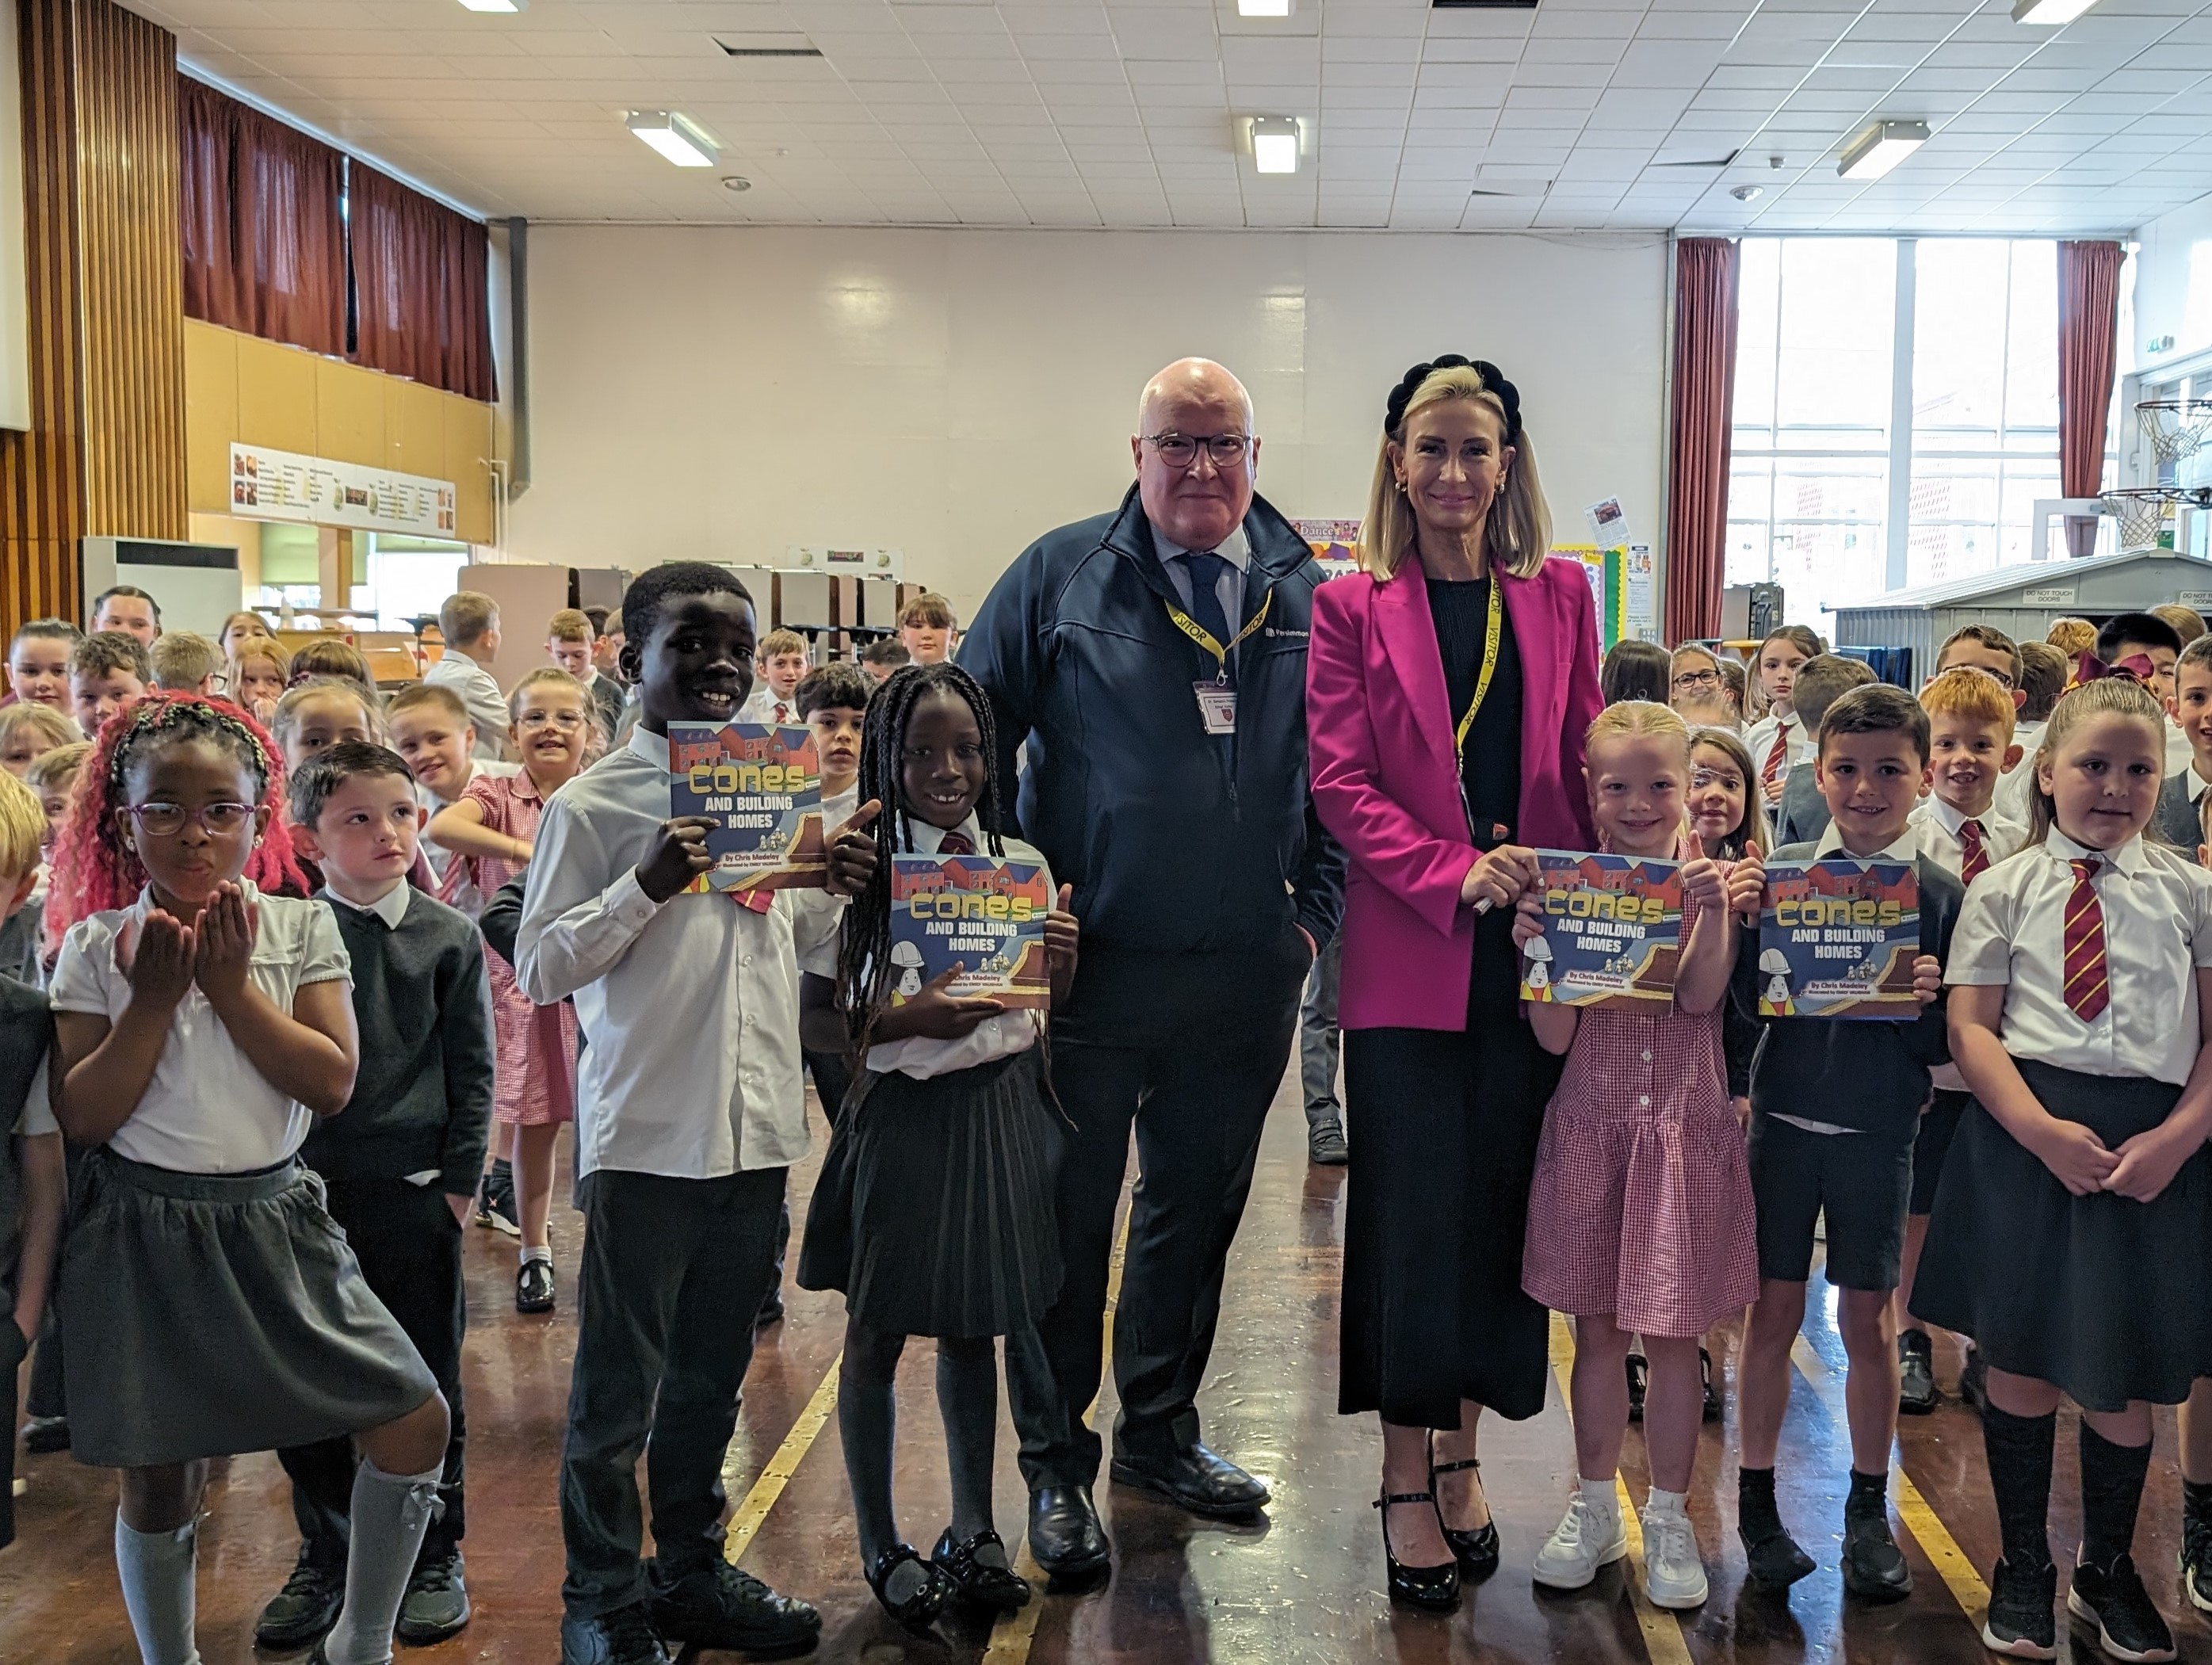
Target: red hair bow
x=2136, y=667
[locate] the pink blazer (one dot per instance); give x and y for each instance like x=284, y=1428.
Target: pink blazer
x=1386, y=776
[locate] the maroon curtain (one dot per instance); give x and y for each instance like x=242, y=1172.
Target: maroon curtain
x=264, y=231
x=2088, y=314
x=420, y=275
x=1704, y=406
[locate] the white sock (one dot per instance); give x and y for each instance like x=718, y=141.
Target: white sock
x=1665, y=1504
x=157, y=1570
x=545, y=1254
x=391, y=1513
x=1600, y=1497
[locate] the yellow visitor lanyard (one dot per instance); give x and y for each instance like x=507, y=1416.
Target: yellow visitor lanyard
x=1204, y=637
x=1489, y=667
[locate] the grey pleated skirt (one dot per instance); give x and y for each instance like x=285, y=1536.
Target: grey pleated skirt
x=933, y=1212
x=214, y=1314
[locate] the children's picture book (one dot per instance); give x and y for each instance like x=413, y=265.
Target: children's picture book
x=761, y=785
x=1613, y=930
x=1836, y=938
x=985, y=915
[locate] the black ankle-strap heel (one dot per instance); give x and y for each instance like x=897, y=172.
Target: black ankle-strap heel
x=1432, y=1589
x=1476, y=1550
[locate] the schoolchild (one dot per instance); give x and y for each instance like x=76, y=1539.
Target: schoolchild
x=1779, y=740
x=1835, y=1105
x=430, y=728
x=32, y=1186
x=1699, y=689
x=2181, y=799
x=2128, y=636
x=1640, y=1213
x=212, y=1306
x=934, y=1213
x=781, y=663
x=399, y=1166
x=689, y=1112
x=2044, y=674
x=490, y=831
x=39, y=663
x=1800, y=814
x=2069, y=1229
x=108, y=670
x=1970, y=716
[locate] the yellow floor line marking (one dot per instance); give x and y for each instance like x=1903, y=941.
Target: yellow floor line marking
x=1662, y=1630
x=783, y=1465
x=1958, y=1572
x=1011, y=1636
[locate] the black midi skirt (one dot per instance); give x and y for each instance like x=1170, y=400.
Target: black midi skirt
x=2103, y=1297
x=934, y=1210
x=215, y=1313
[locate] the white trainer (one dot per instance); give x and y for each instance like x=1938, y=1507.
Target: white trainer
x=1589, y=1536
x=1674, y=1574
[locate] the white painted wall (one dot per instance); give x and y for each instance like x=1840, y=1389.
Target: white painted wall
x=2173, y=287
x=728, y=393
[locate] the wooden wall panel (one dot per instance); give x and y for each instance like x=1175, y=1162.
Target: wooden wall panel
x=211, y=417
x=105, y=452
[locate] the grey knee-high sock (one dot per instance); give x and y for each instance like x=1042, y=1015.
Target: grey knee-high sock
x=391, y=1513
x=968, y=1400
x=866, y=1419
x=158, y=1571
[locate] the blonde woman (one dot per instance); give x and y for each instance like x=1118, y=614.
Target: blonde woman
x=1450, y=685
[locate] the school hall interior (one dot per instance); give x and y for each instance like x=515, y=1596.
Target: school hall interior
x=1880, y=317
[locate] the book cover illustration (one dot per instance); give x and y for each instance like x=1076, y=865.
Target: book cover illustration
x=1613, y=930
x=987, y=916
x=761, y=785
x=1836, y=938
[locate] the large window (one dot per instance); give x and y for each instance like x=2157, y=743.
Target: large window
x=1841, y=489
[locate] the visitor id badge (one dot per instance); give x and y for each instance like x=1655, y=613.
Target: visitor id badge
x=1217, y=706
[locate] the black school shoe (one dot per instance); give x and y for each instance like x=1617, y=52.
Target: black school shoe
x=436, y=1604
x=303, y=1610
x=1916, y=1373
x=2022, y=1624
x=2197, y=1560
x=2113, y=1599
x=1875, y=1568
x=533, y=1286
x=1712, y=1412
x=1974, y=1379
x=625, y=1636
x=996, y=1588
x=46, y=1433
x=717, y=1606
x=1639, y=1370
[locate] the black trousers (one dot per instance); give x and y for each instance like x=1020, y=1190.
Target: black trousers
x=48, y=1393
x=673, y=1272
x=409, y=1246
x=1189, y=1050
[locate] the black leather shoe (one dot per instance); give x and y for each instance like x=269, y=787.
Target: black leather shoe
x=1475, y=1551
x=1325, y=1143
x=1712, y=1411
x=981, y=1583
x=1639, y=1369
x=307, y=1607
x=1197, y=1479
x=1432, y=1589
x=533, y=1286
x=46, y=1433
x=1916, y=1373
x=625, y=1636
x=717, y=1606
x=1064, y=1535
x=1875, y=1568
x=917, y=1611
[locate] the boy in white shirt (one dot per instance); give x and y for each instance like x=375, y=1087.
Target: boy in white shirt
x=781, y=663
x=2181, y=801
x=469, y=620
x=570, y=644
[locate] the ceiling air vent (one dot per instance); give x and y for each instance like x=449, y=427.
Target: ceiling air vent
x=768, y=45
x=1483, y=5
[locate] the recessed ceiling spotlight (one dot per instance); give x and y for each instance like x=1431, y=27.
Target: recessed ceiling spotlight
x=1263, y=8
x=1275, y=143
x=675, y=136
x=2049, y=14
x=1749, y=193
x=1880, y=147
x=736, y=182
x=492, y=5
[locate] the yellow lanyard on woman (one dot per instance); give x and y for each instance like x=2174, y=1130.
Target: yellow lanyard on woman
x=1489, y=666
x=1204, y=637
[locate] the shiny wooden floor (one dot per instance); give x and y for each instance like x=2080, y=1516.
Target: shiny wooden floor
x=1304, y=1586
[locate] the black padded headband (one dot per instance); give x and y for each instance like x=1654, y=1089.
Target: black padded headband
x=1494, y=381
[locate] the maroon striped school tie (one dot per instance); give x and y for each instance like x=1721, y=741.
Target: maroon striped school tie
x=2088, y=989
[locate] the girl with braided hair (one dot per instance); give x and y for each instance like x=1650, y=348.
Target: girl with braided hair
x=202, y=1023
x=934, y=1210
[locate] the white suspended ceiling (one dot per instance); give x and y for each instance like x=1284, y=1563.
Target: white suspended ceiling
x=1577, y=114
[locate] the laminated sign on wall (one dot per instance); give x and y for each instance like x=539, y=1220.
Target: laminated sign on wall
x=283, y=485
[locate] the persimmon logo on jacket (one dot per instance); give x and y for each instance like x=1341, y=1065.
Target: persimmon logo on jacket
x=1272, y=631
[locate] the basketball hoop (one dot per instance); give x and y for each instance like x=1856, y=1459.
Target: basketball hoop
x=2175, y=428
x=2144, y=512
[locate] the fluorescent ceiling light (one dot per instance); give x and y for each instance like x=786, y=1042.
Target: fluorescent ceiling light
x=1880, y=147
x=675, y=136
x=1271, y=8
x=491, y=5
x=1275, y=143
x=2049, y=14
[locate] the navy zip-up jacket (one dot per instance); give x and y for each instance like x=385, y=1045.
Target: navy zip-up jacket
x=1175, y=841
